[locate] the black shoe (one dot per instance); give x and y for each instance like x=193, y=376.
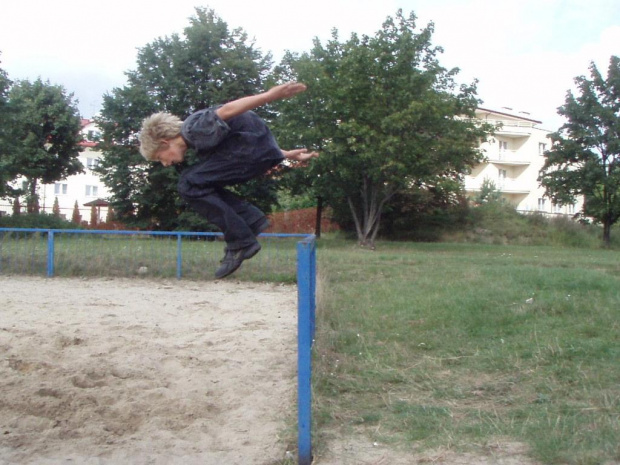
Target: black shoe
x=233, y=259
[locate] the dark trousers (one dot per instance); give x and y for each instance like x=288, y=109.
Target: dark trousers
x=202, y=187
x=236, y=218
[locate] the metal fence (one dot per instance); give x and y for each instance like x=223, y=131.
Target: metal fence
x=148, y=254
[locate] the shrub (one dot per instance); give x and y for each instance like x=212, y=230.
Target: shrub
x=36, y=220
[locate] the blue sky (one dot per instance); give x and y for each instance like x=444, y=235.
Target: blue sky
x=524, y=53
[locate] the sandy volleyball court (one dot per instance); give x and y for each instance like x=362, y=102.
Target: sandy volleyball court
x=109, y=371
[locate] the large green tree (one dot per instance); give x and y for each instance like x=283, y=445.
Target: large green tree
x=208, y=65
x=584, y=159
x=43, y=125
x=386, y=117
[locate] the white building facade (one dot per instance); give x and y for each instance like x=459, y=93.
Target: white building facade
x=514, y=158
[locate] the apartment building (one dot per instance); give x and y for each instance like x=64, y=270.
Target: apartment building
x=87, y=189
x=514, y=157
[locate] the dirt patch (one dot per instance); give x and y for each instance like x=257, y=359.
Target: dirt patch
x=357, y=450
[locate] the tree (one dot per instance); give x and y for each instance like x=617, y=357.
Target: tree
x=45, y=129
x=385, y=116
x=17, y=208
x=94, y=216
x=56, y=208
x=584, y=158
x=6, y=170
x=209, y=65
x=75, y=216
x=110, y=217
x=488, y=193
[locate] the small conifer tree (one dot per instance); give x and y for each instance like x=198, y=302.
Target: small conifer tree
x=94, y=218
x=76, y=217
x=56, y=208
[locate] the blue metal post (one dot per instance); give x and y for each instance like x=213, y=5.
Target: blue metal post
x=313, y=287
x=305, y=296
x=179, y=257
x=50, y=253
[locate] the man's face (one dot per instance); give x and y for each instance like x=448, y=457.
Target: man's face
x=172, y=151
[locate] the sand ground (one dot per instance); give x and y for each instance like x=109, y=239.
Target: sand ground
x=118, y=371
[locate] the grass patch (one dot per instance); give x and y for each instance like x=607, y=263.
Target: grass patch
x=453, y=345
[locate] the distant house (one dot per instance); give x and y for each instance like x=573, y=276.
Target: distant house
x=86, y=188
x=514, y=157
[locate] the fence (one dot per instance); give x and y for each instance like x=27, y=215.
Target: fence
x=53, y=252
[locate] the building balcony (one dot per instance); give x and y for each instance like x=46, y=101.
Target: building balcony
x=515, y=128
x=506, y=186
x=508, y=157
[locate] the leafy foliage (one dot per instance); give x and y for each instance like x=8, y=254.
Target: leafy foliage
x=585, y=156
x=209, y=65
x=385, y=116
x=488, y=193
x=44, y=127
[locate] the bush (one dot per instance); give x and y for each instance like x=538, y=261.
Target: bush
x=500, y=223
x=36, y=220
x=566, y=232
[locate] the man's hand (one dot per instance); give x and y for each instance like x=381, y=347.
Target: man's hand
x=299, y=154
x=286, y=90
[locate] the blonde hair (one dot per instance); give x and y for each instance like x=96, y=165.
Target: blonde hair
x=156, y=128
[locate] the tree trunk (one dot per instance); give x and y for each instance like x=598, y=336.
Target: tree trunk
x=319, y=215
x=606, y=232
x=17, y=208
x=356, y=221
x=32, y=200
x=368, y=226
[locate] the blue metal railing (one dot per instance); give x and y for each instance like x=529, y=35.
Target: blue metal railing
x=179, y=235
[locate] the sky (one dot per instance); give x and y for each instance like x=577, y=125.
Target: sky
x=525, y=54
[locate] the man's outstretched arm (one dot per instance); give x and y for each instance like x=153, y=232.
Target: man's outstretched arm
x=299, y=154
x=236, y=107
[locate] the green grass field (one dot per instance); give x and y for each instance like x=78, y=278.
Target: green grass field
x=460, y=345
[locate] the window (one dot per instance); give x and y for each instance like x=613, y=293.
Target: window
x=92, y=163
x=60, y=188
x=542, y=147
x=541, y=203
x=93, y=135
x=92, y=191
x=503, y=145
x=501, y=179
